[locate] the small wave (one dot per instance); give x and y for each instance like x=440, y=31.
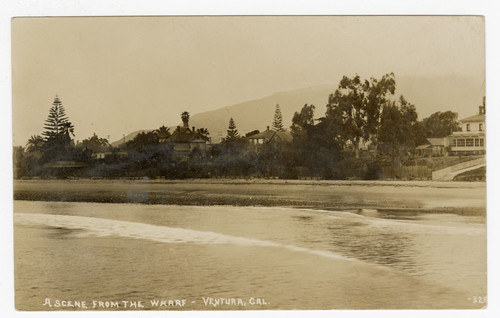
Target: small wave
x=106, y=227
x=423, y=227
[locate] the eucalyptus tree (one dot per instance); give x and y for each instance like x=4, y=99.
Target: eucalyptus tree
x=354, y=109
x=399, y=129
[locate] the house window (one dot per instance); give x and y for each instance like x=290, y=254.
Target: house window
x=469, y=142
x=480, y=127
x=460, y=142
x=481, y=142
x=468, y=127
x=476, y=142
x=454, y=143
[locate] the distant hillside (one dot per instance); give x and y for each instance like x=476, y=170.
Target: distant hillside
x=429, y=95
x=259, y=113
x=127, y=137
x=255, y=114
x=458, y=94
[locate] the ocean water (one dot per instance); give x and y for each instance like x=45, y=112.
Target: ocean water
x=134, y=256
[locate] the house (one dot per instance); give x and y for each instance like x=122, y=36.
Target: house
x=101, y=155
x=185, y=140
x=269, y=136
x=106, y=154
x=366, y=145
x=471, y=140
x=433, y=147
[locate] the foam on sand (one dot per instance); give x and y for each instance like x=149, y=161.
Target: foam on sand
x=106, y=227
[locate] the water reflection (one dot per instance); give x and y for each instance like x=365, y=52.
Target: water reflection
x=57, y=232
x=281, y=255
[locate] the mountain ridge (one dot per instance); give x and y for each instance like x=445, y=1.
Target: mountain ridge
x=429, y=95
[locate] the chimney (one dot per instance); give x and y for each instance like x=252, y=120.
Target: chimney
x=267, y=127
x=193, y=129
x=482, y=108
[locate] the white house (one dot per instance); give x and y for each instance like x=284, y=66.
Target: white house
x=472, y=138
x=269, y=136
x=185, y=140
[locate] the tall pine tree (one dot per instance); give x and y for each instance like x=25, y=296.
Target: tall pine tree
x=58, y=130
x=233, y=140
x=57, y=126
x=278, y=119
x=232, y=132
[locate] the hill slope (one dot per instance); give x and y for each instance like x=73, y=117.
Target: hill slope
x=429, y=95
x=127, y=137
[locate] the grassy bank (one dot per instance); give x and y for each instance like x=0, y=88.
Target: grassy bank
x=472, y=175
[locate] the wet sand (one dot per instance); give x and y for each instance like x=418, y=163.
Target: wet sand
x=467, y=198
x=293, y=258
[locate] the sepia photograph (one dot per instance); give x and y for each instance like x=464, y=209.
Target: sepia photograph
x=249, y=163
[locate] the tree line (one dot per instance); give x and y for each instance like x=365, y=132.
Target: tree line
x=365, y=127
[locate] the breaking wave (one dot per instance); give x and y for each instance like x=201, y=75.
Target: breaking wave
x=105, y=227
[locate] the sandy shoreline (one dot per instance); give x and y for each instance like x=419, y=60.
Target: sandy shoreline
x=406, y=196
x=438, y=184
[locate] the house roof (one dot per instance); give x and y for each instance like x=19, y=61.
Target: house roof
x=184, y=134
x=468, y=134
x=284, y=136
x=424, y=146
x=270, y=135
x=266, y=134
x=436, y=141
x=474, y=118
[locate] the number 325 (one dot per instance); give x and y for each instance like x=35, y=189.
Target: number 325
x=478, y=299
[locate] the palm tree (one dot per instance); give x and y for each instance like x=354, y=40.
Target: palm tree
x=35, y=143
x=185, y=119
x=203, y=133
x=67, y=128
x=162, y=133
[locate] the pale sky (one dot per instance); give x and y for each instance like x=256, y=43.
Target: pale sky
x=117, y=75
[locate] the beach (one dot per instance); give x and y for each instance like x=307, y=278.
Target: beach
x=248, y=245
x=455, y=197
